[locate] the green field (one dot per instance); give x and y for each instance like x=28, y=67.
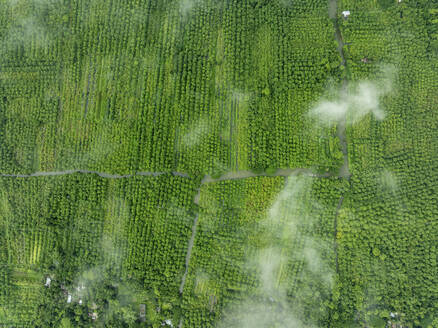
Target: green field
x=237, y=241
x=108, y=235
x=219, y=163
x=131, y=86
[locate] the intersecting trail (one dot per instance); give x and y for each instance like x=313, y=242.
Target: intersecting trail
x=191, y=241
x=234, y=175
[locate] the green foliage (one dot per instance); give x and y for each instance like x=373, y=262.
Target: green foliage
x=233, y=228
x=208, y=87
x=385, y=227
x=116, y=238
x=191, y=86
x=385, y=4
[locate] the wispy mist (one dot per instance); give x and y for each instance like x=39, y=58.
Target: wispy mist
x=196, y=133
x=355, y=102
x=186, y=6
x=26, y=25
x=388, y=181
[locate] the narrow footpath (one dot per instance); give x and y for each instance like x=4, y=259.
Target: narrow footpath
x=192, y=240
x=341, y=128
x=101, y=174
x=232, y=175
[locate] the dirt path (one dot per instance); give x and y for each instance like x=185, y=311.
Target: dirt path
x=341, y=128
x=101, y=174
x=232, y=175
x=235, y=175
x=335, y=231
x=192, y=240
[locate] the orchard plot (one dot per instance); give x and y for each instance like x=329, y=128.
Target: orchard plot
x=259, y=243
x=116, y=243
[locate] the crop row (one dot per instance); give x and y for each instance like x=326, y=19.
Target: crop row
x=120, y=86
x=386, y=233
x=251, y=251
x=119, y=239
